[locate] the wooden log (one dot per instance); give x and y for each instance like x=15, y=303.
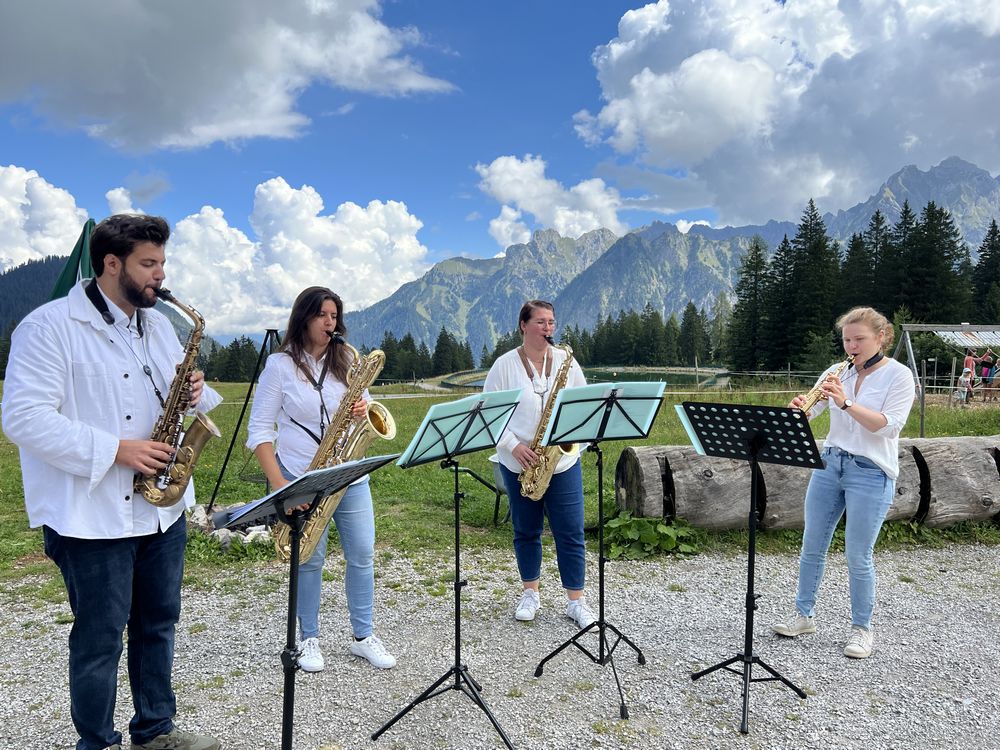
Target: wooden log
x=675, y=482
x=710, y=493
x=906, y=502
x=941, y=481
x=640, y=479
x=963, y=476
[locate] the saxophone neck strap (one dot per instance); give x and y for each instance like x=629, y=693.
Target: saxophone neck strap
x=93, y=293
x=527, y=366
x=305, y=429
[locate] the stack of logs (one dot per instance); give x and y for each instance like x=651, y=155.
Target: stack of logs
x=942, y=481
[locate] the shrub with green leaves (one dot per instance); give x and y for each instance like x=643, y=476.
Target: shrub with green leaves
x=630, y=538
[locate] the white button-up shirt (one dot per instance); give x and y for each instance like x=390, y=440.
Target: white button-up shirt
x=74, y=387
x=284, y=394
x=889, y=390
x=508, y=373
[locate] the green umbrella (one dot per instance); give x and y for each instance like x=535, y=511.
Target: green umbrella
x=78, y=264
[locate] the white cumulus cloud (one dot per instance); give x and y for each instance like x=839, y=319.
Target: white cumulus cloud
x=757, y=105
x=120, y=201
x=521, y=186
x=37, y=219
x=146, y=74
x=239, y=283
x=363, y=253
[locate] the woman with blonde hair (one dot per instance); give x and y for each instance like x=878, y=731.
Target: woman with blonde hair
x=868, y=406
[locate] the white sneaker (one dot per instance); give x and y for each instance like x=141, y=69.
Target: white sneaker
x=310, y=657
x=859, y=645
x=797, y=625
x=528, y=606
x=578, y=611
x=371, y=648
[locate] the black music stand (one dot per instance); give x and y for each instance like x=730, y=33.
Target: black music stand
x=268, y=345
x=309, y=489
x=591, y=414
x=768, y=434
x=448, y=430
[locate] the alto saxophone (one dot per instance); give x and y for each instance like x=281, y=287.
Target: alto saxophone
x=345, y=439
x=816, y=394
x=535, y=479
x=167, y=486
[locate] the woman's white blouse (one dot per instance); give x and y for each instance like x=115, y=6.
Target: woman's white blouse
x=284, y=394
x=507, y=373
x=889, y=390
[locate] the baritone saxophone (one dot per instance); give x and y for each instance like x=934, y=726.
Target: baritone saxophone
x=345, y=439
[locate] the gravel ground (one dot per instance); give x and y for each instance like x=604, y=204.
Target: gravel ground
x=931, y=683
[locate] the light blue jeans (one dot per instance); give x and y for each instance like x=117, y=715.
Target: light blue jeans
x=857, y=485
x=355, y=520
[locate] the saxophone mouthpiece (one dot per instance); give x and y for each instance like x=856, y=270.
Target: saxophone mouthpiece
x=552, y=341
x=163, y=293
x=335, y=337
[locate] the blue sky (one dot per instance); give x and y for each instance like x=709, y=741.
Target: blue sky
x=355, y=143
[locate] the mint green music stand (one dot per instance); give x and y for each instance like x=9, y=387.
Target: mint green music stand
x=592, y=414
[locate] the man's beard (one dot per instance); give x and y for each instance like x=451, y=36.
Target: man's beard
x=133, y=293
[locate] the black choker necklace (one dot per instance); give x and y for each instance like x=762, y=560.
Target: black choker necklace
x=873, y=361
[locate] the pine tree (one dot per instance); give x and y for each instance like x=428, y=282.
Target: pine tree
x=390, y=347
x=409, y=360
x=718, y=329
x=986, y=276
x=691, y=343
x=778, y=311
x=424, y=365
x=5, y=348
x=815, y=275
x=936, y=258
x=671, y=340
x=630, y=338
x=443, y=355
x=654, y=345
x=857, y=275
x=891, y=277
x=748, y=312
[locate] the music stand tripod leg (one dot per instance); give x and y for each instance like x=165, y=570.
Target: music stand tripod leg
x=605, y=653
x=290, y=654
x=464, y=682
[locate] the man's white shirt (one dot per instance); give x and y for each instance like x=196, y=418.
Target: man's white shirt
x=74, y=387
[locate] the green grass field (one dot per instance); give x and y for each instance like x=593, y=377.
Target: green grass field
x=414, y=507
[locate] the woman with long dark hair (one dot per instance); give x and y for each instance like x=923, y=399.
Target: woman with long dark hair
x=301, y=386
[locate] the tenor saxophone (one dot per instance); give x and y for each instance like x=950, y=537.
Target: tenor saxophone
x=535, y=479
x=816, y=394
x=345, y=439
x=167, y=486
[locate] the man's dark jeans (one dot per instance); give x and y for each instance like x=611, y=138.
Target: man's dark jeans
x=112, y=583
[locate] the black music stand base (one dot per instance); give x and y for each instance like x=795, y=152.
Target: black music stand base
x=464, y=681
x=745, y=673
x=605, y=652
x=747, y=657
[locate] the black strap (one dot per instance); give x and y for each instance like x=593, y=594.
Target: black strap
x=97, y=300
x=308, y=432
x=874, y=360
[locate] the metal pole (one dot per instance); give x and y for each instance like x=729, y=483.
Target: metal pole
x=923, y=392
